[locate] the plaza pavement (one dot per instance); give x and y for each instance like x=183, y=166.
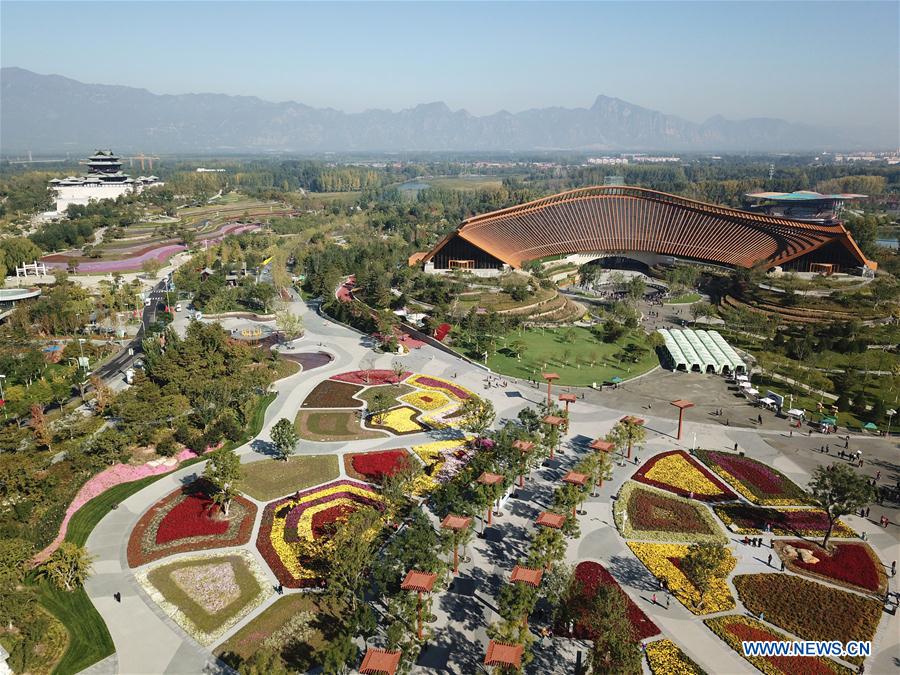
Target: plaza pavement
x=147, y=641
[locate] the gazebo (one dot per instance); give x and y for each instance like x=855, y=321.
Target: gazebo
x=577, y=479
x=380, y=662
x=554, y=421
x=491, y=480
x=682, y=405
x=504, y=655
x=550, y=377
x=455, y=524
x=548, y=519
x=529, y=576
x=524, y=447
x=420, y=582
x=567, y=399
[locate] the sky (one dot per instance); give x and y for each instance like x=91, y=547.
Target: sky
x=824, y=63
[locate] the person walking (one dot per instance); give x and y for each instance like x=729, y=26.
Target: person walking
x=769, y=562
x=782, y=565
x=668, y=600
x=654, y=598
x=894, y=568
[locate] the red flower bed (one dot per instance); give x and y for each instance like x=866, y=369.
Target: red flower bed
x=196, y=516
x=330, y=394
x=763, y=482
x=374, y=466
x=371, y=377
x=724, y=494
x=323, y=521
x=850, y=564
x=781, y=522
x=459, y=393
x=591, y=576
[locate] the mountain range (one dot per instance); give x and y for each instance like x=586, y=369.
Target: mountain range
x=52, y=114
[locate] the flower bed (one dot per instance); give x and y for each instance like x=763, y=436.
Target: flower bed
x=432, y=400
x=591, y=575
x=744, y=519
x=734, y=630
x=184, y=521
x=666, y=658
x=676, y=471
x=330, y=394
x=454, y=391
x=371, y=377
x=442, y=460
x=808, y=609
x=264, y=481
x=374, y=466
x=654, y=514
x=443, y=418
x=664, y=562
x=757, y=482
x=399, y=421
x=206, y=595
x=331, y=425
x=393, y=392
x=849, y=564
x=293, y=536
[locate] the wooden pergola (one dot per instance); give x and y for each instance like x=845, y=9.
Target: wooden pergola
x=550, y=377
x=636, y=421
x=420, y=582
x=490, y=479
x=567, y=399
x=455, y=524
x=682, y=405
x=554, y=421
x=380, y=662
x=504, y=655
x=524, y=447
x=578, y=480
x=526, y=575
x=600, y=445
x=548, y=519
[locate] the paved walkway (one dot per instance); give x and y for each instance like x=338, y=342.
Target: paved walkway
x=147, y=641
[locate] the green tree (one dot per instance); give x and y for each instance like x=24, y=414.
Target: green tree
x=702, y=564
x=68, y=567
x=626, y=434
x=288, y=324
x=285, y=438
x=379, y=404
x=548, y=547
x=615, y=650
x=839, y=490
x=151, y=267
x=476, y=415
x=223, y=471
x=354, y=545
x=265, y=661
x=339, y=654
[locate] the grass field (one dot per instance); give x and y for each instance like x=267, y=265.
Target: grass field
x=572, y=361
x=684, y=299
x=269, y=479
x=327, y=425
x=500, y=301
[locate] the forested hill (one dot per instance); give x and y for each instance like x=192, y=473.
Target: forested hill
x=51, y=114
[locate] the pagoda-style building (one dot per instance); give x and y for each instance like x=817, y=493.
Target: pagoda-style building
x=104, y=180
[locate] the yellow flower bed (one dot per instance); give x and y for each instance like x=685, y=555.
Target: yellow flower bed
x=666, y=658
x=675, y=470
x=431, y=455
x=656, y=558
x=431, y=400
x=739, y=487
x=401, y=420
x=431, y=383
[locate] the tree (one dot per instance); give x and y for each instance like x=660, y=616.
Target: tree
x=151, y=267
x=476, y=415
x=43, y=436
x=547, y=548
x=516, y=601
x=627, y=433
x=554, y=586
x=839, y=490
x=285, y=438
x=68, y=567
x=379, y=404
x=517, y=348
x=223, y=471
x=702, y=564
x=265, y=661
x=288, y=324
x=339, y=653
x=615, y=650
x=354, y=544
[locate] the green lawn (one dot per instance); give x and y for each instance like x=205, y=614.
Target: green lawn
x=684, y=299
x=393, y=392
x=331, y=425
x=89, y=640
x=269, y=479
x=545, y=350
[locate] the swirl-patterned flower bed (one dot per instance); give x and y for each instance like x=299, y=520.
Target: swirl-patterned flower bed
x=208, y=594
x=374, y=466
x=808, y=609
x=371, y=377
x=676, y=471
x=426, y=400
x=331, y=394
x=664, y=562
x=850, y=564
x=294, y=536
x=666, y=658
x=590, y=575
x=745, y=519
x=442, y=460
x=755, y=481
x=451, y=389
x=399, y=421
x=735, y=630
x=654, y=514
x=187, y=520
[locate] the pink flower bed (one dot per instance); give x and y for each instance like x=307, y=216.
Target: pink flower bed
x=103, y=481
x=425, y=381
x=373, y=376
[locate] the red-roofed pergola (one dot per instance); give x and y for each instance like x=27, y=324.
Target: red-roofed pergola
x=553, y=421
x=548, y=519
x=380, y=662
x=491, y=480
x=577, y=479
x=631, y=420
x=600, y=445
x=420, y=582
x=682, y=405
x=504, y=655
x=550, y=377
x=455, y=524
x=567, y=399
x=524, y=447
x=529, y=576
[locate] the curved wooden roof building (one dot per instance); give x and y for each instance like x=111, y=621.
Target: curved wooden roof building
x=620, y=220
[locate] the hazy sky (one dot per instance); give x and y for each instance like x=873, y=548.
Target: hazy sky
x=829, y=63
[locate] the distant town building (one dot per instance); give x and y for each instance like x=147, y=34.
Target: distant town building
x=103, y=180
x=607, y=160
x=652, y=159
x=201, y=169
